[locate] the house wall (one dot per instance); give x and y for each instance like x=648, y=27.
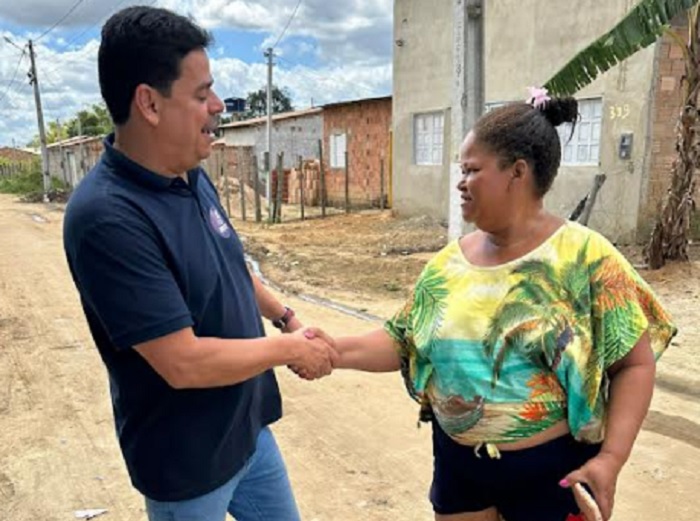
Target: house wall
x=294, y=137
x=537, y=46
x=526, y=43
x=422, y=83
x=367, y=126
x=71, y=162
x=667, y=100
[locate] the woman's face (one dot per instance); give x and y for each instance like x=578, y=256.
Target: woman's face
x=487, y=189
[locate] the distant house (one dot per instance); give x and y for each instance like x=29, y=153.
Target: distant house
x=71, y=159
x=17, y=155
x=362, y=128
x=295, y=133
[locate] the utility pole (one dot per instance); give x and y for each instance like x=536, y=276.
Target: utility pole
x=34, y=80
x=268, y=188
x=468, y=95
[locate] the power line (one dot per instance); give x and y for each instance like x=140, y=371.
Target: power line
x=75, y=6
x=98, y=22
x=14, y=75
x=90, y=28
x=287, y=26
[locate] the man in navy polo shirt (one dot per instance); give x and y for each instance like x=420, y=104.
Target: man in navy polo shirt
x=174, y=312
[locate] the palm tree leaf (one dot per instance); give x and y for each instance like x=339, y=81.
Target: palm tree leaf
x=429, y=305
x=511, y=315
x=638, y=29
x=576, y=282
x=530, y=290
x=543, y=271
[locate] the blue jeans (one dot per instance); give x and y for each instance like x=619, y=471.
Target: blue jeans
x=260, y=491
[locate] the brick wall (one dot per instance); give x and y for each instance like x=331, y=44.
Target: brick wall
x=667, y=99
x=367, y=125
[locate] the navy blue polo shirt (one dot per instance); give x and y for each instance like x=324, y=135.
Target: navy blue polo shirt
x=151, y=255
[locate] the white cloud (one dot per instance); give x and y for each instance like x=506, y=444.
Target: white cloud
x=325, y=85
x=68, y=82
x=350, y=40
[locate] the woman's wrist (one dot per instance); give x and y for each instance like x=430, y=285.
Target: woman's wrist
x=612, y=457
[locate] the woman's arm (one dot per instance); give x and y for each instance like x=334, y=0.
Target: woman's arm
x=631, y=389
x=374, y=352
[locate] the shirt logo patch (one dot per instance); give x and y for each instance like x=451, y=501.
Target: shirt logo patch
x=218, y=223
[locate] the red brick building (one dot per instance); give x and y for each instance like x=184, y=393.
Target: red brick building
x=362, y=128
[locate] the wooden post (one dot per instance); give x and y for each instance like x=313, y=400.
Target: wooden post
x=280, y=185
x=347, y=184
x=256, y=186
x=301, y=185
x=323, y=178
x=224, y=174
x=381, y=183
x=268, y=188
x=241, y=186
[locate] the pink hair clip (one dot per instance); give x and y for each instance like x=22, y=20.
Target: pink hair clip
x=538, y=97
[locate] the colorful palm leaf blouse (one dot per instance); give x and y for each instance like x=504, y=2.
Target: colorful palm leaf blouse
x=502, y=353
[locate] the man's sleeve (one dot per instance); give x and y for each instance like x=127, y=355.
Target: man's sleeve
x=123, y=277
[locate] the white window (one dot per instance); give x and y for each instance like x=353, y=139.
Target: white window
x=428, y=131
x=338, y=148
x=584, y=146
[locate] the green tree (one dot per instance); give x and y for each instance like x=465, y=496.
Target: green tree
x=641, y=27
x=256, y=102
x=56, y=132
x=92, y=122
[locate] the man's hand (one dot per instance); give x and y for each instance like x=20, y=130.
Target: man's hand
x=317, y=354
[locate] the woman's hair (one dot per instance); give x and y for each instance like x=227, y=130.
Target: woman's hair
x=520, y=131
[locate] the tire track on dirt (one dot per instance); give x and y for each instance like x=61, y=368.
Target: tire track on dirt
x=673, y=426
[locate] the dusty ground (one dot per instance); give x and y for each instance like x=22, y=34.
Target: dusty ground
x=350, y=441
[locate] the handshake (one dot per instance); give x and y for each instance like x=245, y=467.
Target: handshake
x=315, y=353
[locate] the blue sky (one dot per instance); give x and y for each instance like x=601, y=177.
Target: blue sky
x=331, y=51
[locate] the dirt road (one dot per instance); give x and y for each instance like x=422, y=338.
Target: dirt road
x=350, y=441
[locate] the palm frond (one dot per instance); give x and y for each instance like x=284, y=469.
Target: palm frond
x=509, y=315
x=534, y=293
x=429, y=301
x=641, y=27
x=542, y=271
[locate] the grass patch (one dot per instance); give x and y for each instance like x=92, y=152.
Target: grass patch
x=27, y=182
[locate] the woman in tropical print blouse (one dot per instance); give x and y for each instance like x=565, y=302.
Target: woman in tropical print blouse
x=530, y=343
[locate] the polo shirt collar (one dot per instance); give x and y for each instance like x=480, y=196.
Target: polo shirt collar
x=126, y=167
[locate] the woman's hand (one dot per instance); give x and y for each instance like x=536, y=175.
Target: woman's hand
x=600, y=475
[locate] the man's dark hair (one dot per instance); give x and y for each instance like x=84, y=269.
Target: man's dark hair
x=143, y=45
x=519, y=131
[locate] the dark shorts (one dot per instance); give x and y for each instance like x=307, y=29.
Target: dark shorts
x=523, y=485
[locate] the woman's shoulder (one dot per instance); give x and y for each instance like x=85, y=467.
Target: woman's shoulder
x=578, y=236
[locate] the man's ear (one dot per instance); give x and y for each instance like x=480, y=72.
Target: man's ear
x=148, y=103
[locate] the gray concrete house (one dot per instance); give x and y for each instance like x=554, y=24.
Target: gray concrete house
x=627, y=115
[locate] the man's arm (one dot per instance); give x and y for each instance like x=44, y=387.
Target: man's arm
x=188, y=362
x=270, y=307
